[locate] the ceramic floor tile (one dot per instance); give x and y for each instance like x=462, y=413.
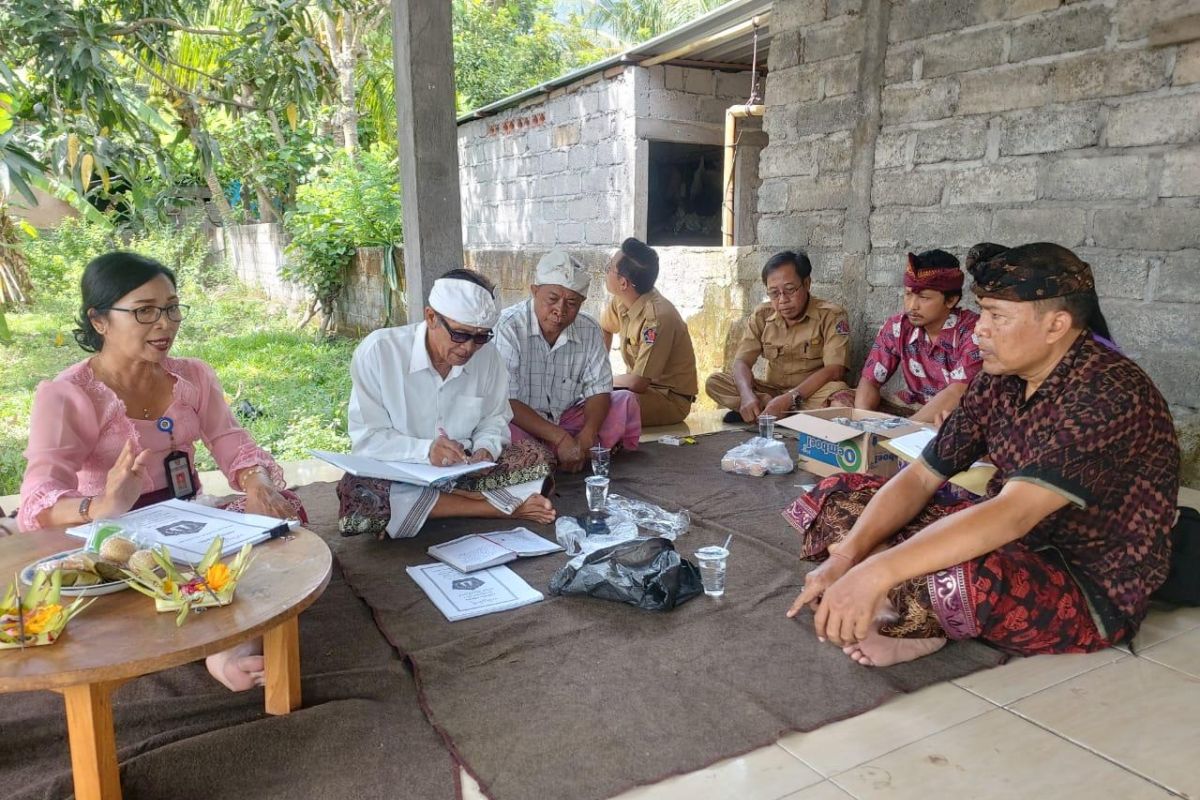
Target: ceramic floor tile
x=1189, y=496
x=826, y=790
x=769, y=773
x=1181, y=653
x=698, y=423
x=1135, y=712
x=296, y=473
x=1161, y=625
x=904, y=720
x=996, y=756
x=1021, y=677
x=470, y=789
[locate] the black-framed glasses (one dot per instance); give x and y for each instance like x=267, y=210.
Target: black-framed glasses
x=462, y=337
x=148, y=315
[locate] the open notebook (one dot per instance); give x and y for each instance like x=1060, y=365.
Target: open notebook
x=402, y=471
x=482, y=550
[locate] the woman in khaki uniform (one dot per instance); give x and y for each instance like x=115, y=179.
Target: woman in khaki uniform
x=655, y=343
x=804, y=340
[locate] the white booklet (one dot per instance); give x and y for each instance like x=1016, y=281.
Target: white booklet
x=187, y=529
x=401, y=471
x=482, y=550
x=460, y=596
x=912, y=445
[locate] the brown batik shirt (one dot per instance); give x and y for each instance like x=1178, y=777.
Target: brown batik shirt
x=1098, y=432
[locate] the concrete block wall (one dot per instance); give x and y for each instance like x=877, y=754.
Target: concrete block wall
x=569, y=168
x=553, y=171
x=363, y=304
x=912, y=124
x=257, y=255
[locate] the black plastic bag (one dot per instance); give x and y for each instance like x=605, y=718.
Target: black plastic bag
x=646, y=573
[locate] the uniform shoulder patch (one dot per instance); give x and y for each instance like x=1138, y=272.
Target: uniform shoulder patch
x=843, y=327
x=649, y=334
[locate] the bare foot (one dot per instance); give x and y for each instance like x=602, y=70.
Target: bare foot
x=536, y=508
x=239, y=668
x=878, y=650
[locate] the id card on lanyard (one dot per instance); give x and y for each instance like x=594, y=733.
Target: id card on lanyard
x=177, y=464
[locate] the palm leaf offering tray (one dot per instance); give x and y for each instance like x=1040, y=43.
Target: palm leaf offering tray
x=37, y=617
x=209, y=584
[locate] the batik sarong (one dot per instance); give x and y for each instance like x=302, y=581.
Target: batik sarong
x=1020, y=600
x=399, y=510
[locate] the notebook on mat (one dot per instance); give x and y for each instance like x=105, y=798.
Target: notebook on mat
x=482, y=550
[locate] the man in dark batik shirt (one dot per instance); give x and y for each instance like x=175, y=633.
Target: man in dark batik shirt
x=1062, y=554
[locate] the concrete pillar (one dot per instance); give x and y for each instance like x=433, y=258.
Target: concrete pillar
x=423, y=59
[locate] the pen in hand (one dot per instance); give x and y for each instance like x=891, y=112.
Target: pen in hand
x=442, y=433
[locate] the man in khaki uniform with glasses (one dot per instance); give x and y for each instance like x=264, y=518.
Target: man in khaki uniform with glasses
x=655, y=344
x=804, y=340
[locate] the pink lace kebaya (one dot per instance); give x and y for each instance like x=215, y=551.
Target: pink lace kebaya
x=78, y=427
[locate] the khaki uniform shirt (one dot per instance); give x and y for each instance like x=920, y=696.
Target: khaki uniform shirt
x=818, y=339
x=655, y=342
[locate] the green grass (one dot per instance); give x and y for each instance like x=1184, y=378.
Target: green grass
x=300, y=383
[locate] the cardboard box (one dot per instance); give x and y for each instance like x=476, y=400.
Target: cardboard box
x=826, y=448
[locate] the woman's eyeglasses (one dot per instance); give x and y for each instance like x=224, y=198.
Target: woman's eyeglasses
x=148, y=315
x=462, y=337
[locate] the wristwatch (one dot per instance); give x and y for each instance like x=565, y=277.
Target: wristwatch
x=85, y=506
x=795, y=395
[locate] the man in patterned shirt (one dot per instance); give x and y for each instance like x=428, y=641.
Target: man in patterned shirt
x=1062, y=554
x=560, y=384
x=932, y=342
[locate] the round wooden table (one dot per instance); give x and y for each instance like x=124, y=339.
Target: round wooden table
x=120, y=636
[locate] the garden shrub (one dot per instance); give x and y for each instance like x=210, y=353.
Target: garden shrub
x=353, y=203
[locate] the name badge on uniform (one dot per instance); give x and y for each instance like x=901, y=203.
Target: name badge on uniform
x=177, y=465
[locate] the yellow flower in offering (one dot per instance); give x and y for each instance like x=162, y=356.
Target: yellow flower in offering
x=168, y=586
x=217, y=576
x=41, y=619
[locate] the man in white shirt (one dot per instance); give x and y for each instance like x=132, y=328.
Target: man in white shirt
x=436, y=393
x=559, y=379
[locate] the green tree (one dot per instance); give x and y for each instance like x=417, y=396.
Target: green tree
x=502, y=47
x=631, y=22
x=350, y=203
x=102, y=88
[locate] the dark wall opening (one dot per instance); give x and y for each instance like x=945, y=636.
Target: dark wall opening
x=683, y=206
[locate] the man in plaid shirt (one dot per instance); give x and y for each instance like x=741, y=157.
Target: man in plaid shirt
x=560, y=383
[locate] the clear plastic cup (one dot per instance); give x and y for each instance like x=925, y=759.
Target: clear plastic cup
x=712, y=561
x=766, y=426
x=597, y=492
x=600, y=460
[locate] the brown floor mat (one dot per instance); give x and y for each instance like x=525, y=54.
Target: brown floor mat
x=581, y=698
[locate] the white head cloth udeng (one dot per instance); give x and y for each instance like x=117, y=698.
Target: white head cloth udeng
x=558, y=269
x=464, y=302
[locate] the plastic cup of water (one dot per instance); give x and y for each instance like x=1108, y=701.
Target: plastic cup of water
x=712, y=561
x=597, y=492
x=766, y=426
x=600, y=459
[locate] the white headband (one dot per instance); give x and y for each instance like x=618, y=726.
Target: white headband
x=464, y=302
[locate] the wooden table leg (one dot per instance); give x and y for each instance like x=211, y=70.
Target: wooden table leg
x=281, y=657
x=93, y=742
